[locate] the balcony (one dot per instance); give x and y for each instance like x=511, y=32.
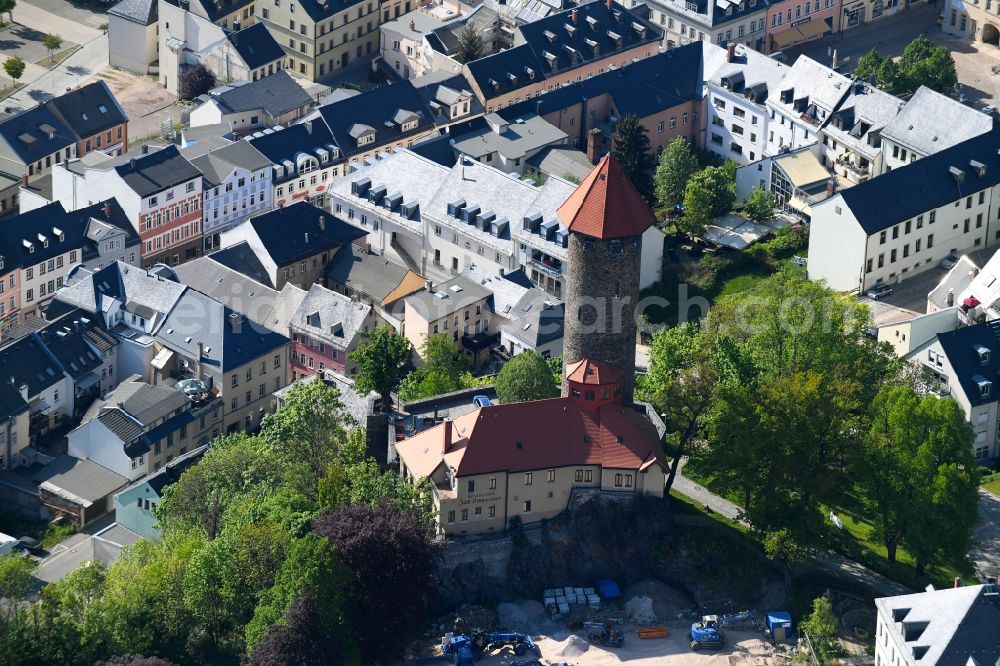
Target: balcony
x=852, y=169
x=546, y=266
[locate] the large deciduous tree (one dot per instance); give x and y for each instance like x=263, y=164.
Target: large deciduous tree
x=526, y=377
x=917, y=476
x=709, y=193
x=195, y=80
x=380, y=361
x=391, y=557
x=676, y=166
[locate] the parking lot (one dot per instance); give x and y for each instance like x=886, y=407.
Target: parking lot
x=26, y=43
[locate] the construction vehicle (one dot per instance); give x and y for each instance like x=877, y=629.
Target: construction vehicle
x=460, y=648
x=606, y=633
x=708, y=632
x=516, y=641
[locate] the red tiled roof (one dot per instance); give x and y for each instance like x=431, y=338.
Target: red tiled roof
x=606, y=204
x=588, y=371
x=560, y=434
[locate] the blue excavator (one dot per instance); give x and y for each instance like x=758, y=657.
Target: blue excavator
x=708, y=632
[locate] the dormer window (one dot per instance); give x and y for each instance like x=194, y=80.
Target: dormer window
x=983, y=353
x=729, y=10
x=985, y=386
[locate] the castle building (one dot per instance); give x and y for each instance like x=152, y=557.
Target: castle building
x=532, y=460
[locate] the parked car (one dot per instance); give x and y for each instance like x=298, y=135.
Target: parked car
x=949, y=262
x=878, y=291
x=989, y=110
x=481, y=401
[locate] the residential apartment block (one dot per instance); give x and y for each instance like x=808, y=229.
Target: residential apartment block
x=807, y=96
x=237, y=185
x=886, y=229
x=738, y=81
x=791, y=22
x=564, y=47
x=321, y=39
x=325, y=328
x=714, y=21
x=949, y=626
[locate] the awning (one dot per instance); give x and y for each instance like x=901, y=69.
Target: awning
x=971, y=302
x=812, y=29
x=88, y=380
x=802, y=169
x=799, y=33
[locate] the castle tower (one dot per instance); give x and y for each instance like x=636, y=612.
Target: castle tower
x=606, y=217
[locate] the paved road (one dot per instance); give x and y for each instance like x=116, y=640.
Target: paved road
x=889, y=35
x=826, y=560
x=92, y=57
x=986, y=553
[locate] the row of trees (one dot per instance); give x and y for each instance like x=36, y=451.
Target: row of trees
x=922, y=64
x=779, y=398
x=289, y=547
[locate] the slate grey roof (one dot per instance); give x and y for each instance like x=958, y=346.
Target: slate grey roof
x=242, y=259
x=276, y=94
x=88, y=110
x=448, y=298
x=555, y=39
x=157, y=171
x=29, y=363
x=930, y=121
x=34, y=134
x=808, y=79
x=287, y=143
x=121, y=425
x=143, y=12
x=923, y=185
x=11, y=402
x=291, y=233
x=256, y=45
x=330, y=317
x=66, y=341
x=215, y=9
x=750, y=72
x=540, y=325
x=126, y=284
x=562, y=161
x=516, y=139
x=217, y=165
x=859, y=119
x=82, y=480
x=367, y=273
x=948, y=627
x=229, y=339
x=172, y=471
x=260, y=303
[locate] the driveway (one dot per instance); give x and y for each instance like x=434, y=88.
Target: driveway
x=985, y=554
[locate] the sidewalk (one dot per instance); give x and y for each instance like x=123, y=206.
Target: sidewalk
x=47, y=22
x=70, y=73
x=826, y=560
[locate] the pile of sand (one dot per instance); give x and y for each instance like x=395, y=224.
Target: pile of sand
x=574, y=646
x=522, y=616
x=640, y=610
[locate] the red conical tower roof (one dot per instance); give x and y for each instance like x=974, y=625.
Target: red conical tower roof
x=606, y=204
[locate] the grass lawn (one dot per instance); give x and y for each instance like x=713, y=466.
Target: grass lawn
x=856, y=540
x=51, y=61
x=993, y=484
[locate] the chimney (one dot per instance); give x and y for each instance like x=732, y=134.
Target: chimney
x=610, y=4
x=145, y=149
x=307, y=237
x=829, y=189
x=958, y=582
x=447, y=435
x=951, y=298
x=429, y=284
x=594, y=144
x=24, y=180
x=234, y=321
x=236, y=26
x=730, y=52
x=322, y=223
x=107, y=209
x=573, y=16
x=413, y=26
x=201, y=354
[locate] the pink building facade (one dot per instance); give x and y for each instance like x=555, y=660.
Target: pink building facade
x=796, y=21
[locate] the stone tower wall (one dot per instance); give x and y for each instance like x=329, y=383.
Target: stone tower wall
x=602, y=291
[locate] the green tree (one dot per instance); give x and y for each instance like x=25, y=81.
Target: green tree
x=632, y=150
x=380, y=361
x=445, y=369
x=195, y=80
x=14, y=67
x=16, y=580
x=470, y=44
x=917, y=476
x=868, y=65
x=888, y=77
x=52, y=42
x=526, y=377
x=709, y=193
x=760, y=205
x=925, y=64
x=676, y=166
x=7, y=6
x=821, y=626
x=308, y=430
